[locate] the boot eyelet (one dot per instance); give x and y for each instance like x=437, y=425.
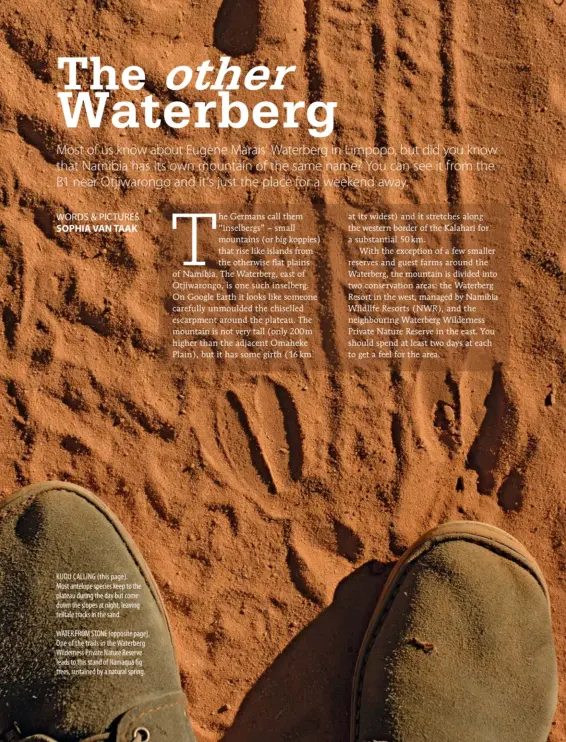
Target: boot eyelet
x=141, y=735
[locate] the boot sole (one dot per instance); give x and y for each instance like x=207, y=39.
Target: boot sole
x=483, y=534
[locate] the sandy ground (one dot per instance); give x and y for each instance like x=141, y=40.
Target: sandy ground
x=267, y=577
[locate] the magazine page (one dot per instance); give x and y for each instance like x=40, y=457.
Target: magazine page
x=282, y=354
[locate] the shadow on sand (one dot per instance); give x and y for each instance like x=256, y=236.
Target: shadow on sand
x=305, y=694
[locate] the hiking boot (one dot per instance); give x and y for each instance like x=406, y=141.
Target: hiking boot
x=460, y=646
x=85, y=646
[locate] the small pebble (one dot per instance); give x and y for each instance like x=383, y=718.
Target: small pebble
x=449, y=413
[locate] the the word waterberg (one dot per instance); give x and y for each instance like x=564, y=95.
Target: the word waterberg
x=217, y=83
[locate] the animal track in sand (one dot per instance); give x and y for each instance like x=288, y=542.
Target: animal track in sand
x=254, y=447
x=493, y=443
x=236, y=28
x=267, y=428
x=498, y=455
x=12, y=261
x=40, y=135
x=497, y=430
x=229, y=512
x=510, y=495
x=303, y=578
x=348, y=542
x=447, y=417
x=42, y=354
x=380, y=64
x=160, y=505
x=23, y=427
x=124, y=412
x=73, y=398
x=109, y=320
x=258, y=448
x=34, y=55
x=283, y=429
x=75, y=446
x=450, y=82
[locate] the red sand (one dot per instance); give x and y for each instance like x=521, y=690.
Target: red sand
x=266, y=589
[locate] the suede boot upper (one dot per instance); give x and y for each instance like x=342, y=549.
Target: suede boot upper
x=51, y=541
x=462, y=652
